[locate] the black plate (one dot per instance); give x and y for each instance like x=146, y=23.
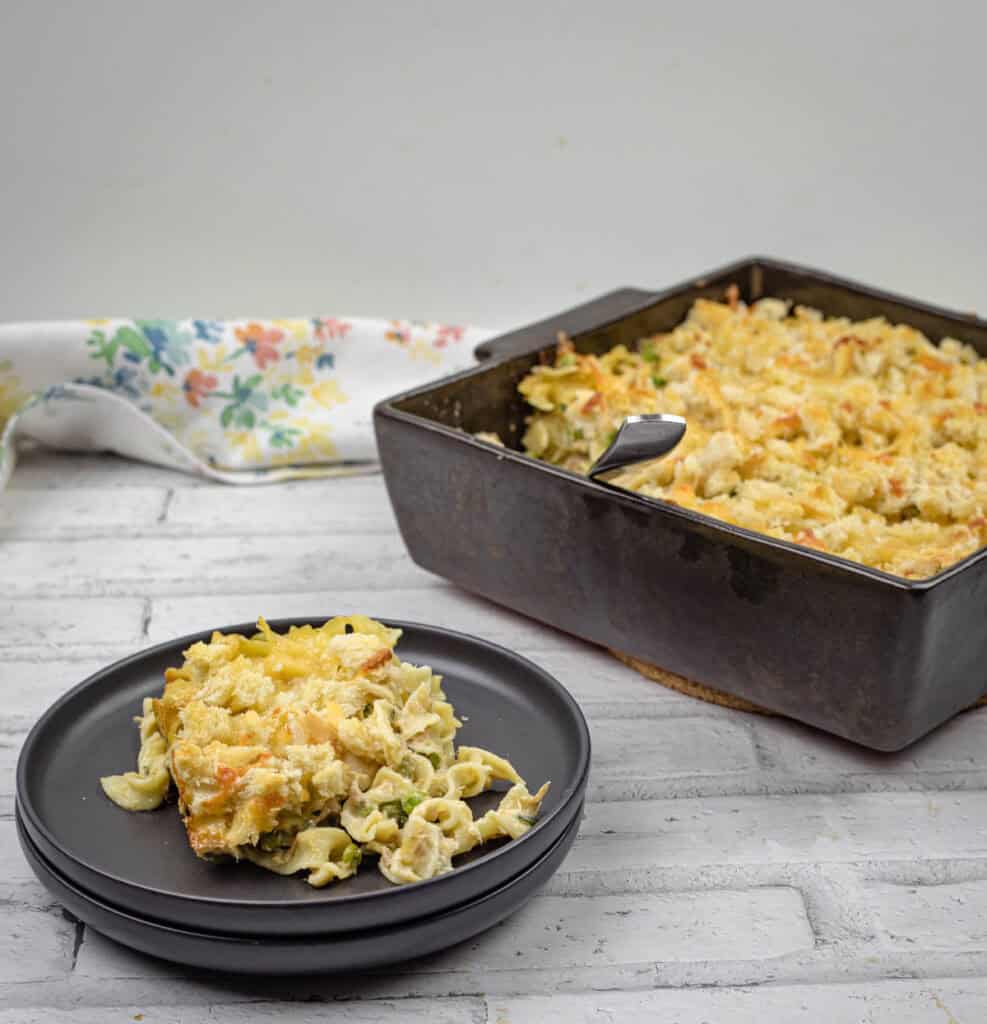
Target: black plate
x=314, y=954
x=142, y=863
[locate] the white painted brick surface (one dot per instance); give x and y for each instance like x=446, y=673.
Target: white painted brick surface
x=56, y=622
x=731, y=868
x=16, y=872
x=430, y=601
x=557, y=931
x=10, y=746
x=931, y=916
x=895, y=1002
x=446, y=1011
x=599, y=682
x=748, y=830
x=102, y=959
x=142, y=566
x=118, y=974
x=360, y=506
x=627, y=752
x=29, y=687
x=35, y=944
x=451, y=1011
x=83, y=512
x=958, y=745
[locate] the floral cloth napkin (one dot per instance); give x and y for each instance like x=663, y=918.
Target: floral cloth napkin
x=242, y=401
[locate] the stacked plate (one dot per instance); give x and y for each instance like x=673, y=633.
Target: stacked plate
x=134, y=878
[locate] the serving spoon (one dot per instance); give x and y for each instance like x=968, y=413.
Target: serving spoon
x=639, y=438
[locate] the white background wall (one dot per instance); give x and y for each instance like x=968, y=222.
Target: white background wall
x=484, y=162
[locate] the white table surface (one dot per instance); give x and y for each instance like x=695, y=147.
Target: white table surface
x=729, y=867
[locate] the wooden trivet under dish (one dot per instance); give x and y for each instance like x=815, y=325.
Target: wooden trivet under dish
x=699, y=691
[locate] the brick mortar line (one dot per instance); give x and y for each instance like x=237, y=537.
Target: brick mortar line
x=782, y=783
x=178, y=531
x=47, y=656
x=45, y=653
x=802, y=875
x=169, y=497
x=147, y=611
x=817, y=969
x=193, y=533
x=195, y=589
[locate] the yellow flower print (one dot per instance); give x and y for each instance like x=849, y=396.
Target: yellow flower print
x=299, y=330
x=169, y=419
x=328, y=393
x=212, y=358
x=421, y=350
x=11, y=395
x=247, y=443
x=197, y=439
x=318, y=443
x=99, y=323
x=313, y=445
x=306, y=354
x=284, y=458
x=165, y=391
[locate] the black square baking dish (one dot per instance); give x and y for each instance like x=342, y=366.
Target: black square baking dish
x=872, y=657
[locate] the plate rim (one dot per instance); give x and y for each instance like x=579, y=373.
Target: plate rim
x=574, y=791
x=571, y=830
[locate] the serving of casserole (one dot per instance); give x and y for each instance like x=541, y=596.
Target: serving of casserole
x=815, y=543
x=860, y=438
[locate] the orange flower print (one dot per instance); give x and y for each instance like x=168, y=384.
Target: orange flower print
x=259, y=341
x=198, y=385
x=329, y=327
x=447, y=333
x=399, y=333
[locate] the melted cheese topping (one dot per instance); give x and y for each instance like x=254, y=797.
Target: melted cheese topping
x=862, y=439
x=302, y=751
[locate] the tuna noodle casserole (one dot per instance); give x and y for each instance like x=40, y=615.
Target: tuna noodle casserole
x=302, y=751
x=861, y=439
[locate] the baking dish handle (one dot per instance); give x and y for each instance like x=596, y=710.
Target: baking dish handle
x=598, y=313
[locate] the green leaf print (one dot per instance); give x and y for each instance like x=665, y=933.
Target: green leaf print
x=289, y=395
x=101, y=348
x=281, y=437
x=133, y=341
x=244, y=398
x=127, y=338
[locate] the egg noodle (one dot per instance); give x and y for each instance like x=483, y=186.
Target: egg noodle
x=302, y=751
x=863, y=439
